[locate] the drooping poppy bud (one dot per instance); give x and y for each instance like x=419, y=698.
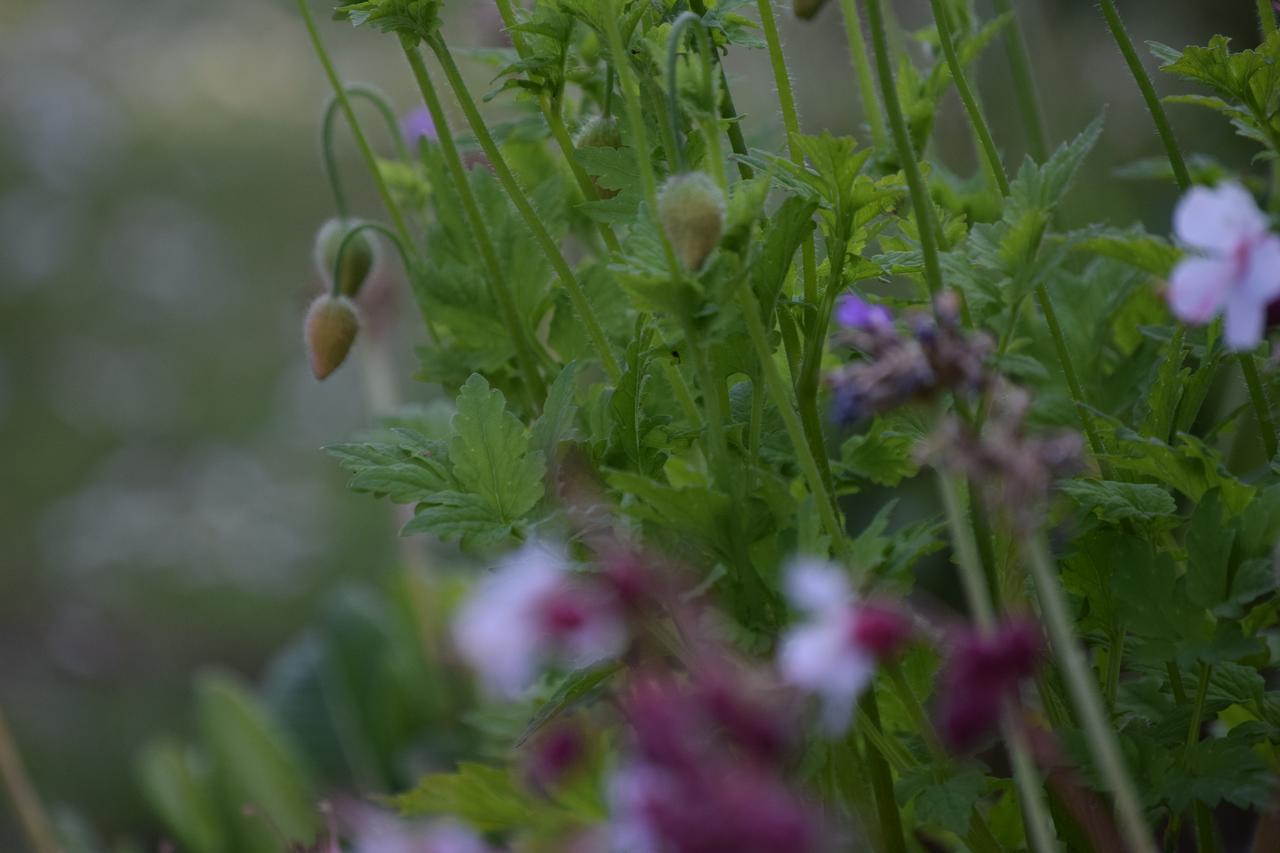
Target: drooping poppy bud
x=358, y=260
x=691, y=209
x=599, y=132
x=331, y=327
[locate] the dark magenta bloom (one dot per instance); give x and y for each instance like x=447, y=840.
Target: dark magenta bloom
x=982, y=672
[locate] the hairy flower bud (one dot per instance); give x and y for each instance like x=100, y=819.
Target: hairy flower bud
x=357, y=261
x=691, y=210
x=331, y=327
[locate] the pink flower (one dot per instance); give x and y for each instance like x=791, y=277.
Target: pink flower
x=534, y=611
x=982, y=671
x=834, y=653
x=1236, y=269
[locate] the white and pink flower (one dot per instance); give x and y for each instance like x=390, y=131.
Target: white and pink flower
x=834, y=653
x=1235, y=270
x=534, y=611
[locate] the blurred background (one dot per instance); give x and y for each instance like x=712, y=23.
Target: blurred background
x=164, y=506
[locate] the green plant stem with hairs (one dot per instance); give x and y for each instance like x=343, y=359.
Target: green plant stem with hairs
x=559, y=132
x=1024, y=84
x=379, y=102
x=533, y=387
x=366, y=151
x=549, y=247
x=33, y=818
x=1098, y=730
x=862, y=71
x=1266, y=17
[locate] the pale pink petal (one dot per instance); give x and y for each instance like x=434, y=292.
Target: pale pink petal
x=1218, y=219
x=1198, y=288
x=1245, y=321
x=1262, y=281
x=815, y=585
x=819, y=658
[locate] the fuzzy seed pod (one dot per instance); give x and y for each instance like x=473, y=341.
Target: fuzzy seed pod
x=357, y=262
x=331, y=327
x=691, y=209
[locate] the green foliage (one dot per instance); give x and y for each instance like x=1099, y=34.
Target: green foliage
x=414, y=20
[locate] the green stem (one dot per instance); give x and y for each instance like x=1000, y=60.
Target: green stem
x=976, y=119
x=1266, y=18
x=710, y=127
x=882, y=784
x=1069, y=372
x=558, y=131
x=1098, y=730
x=1030, y=793
x=921, y=204
x=374, y=97
x=1114, y=660
x=1205, y=840
x=683, y=395
x=791, y=123
x=508, y=180
x=26, y=802
x=405, y=258
x=862, y=71
x=366, y=151
x=1024, y=84
x=780, y=392
x=498, y=286
x=1140, y=76
x=1261, y=408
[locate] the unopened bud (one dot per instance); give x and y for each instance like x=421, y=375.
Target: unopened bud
x=357, y=261
x=691, y=209
x=806, y=9
x=331, y=327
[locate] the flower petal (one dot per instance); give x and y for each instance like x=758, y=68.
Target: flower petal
x=1246, y=319
x=1218, y=219
x=1262, y=281
x=1198, y=288
x=816, y=586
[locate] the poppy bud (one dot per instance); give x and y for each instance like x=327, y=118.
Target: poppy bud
x=806, y=9
x=691, y=209
x=600, y=132
x=330, y=330
x=357, y=261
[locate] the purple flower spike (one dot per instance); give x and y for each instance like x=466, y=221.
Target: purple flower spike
x=854, y=312
x=417, y=124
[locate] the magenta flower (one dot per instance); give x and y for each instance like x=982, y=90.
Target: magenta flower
x=1236, y=269
x=834, y=653
x=982, y=671
x=534, y=611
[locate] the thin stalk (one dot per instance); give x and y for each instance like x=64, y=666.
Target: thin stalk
x=379, y=102
x=862, y=71
x=558, y=131
x=366, y=151
x=1099, y=733
x=498, y=286
x=517, y=195
x=728, y=110
x=36, y=824
x=1024, y=84
x=1069, y=371
x=405, y=258
x=780, y=390
x=1266, y=17
x=976, y=119
x=1140, y=76
x=1261, y=408
x=921, y=204
x=631, y=102
x=811, y=363
x=791, y=123
x=710, y=126
x=1030, y=788
x=683, y=395
x=1114, y=661
x=882, y=784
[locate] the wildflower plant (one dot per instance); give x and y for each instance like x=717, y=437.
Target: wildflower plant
x=682, y=365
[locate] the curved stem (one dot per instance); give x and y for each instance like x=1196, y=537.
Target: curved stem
x=921, y=204
x=508, y=180
x=366, y=151
x=401, y=250
x=1261, y=408
x=976, y=119
x=26, y=802
x=728, y=111
x=1024, y=85
x=1140, y=76
x=558, y=131
x=498, y=286
x=791, y=123
x=710, y=127
x=862, y=71
x=379, y=102
x=1098, y=730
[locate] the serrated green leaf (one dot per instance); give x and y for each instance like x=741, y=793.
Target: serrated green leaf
x=1114, y=501
x=490, y=453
